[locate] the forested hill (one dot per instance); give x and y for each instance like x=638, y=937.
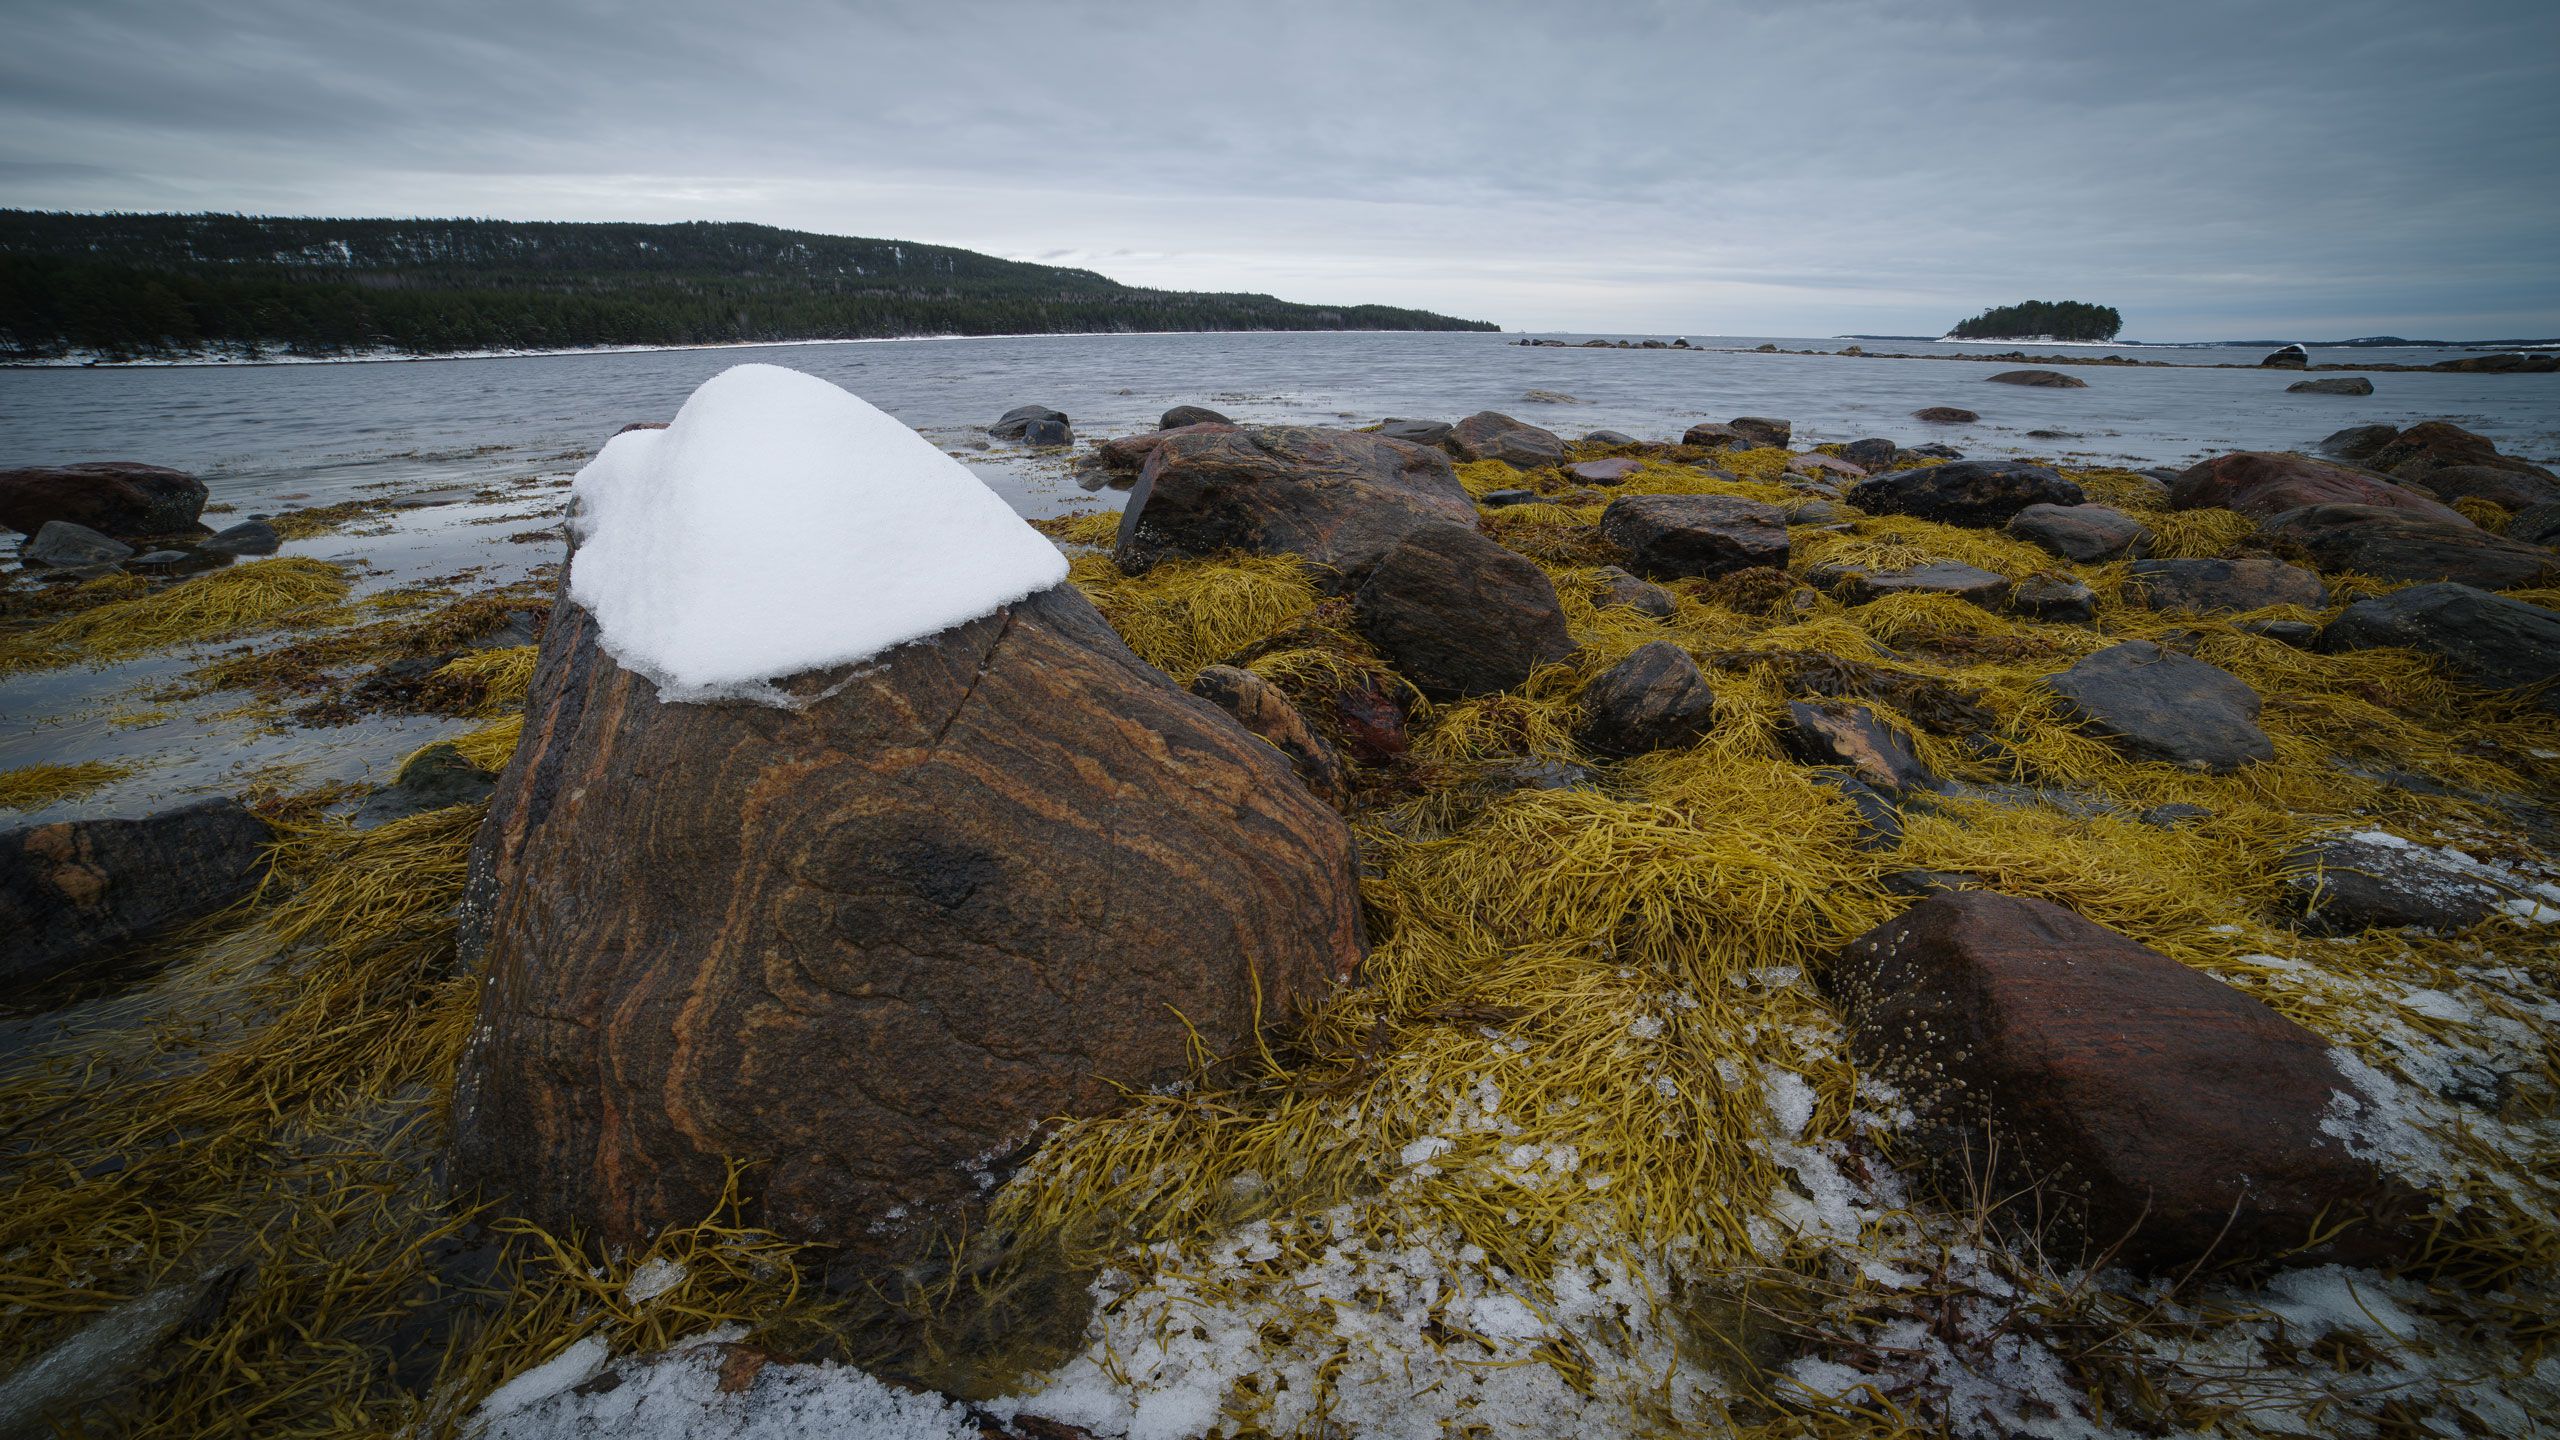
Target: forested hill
x=128, y=286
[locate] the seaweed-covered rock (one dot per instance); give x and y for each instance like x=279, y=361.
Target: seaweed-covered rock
x=64, y=543
x=2336, y=385
x=2395, y=545
x=76, y=890
x=1671, y=537
x=1653, y=699
x=1946, y=415
x=1939, y=577
x=870, y=945
x=1258, y=706
x=1764, y=429
x=2045, y=379
x=1871, y=454
x=432, y=779
x=1980, y=493
x=2487, y=639
x=1851, y=738
x=2209, y=585
x=2161, y=705
x=1617, y=587
x=1016, y=422
x=2086, y=533
x=2263, y=484
x=122, y=498
x=2160, y=1107
x=2056, y=598
x=2513, y=489
x=2536, y=524
x=1817, y=465
x=1339, y=498
x=1459, y=615
x=1182, y=415
x=2375, y=880
x=1491, y=435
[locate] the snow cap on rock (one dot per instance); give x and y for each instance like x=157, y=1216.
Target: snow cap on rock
x=782, y=525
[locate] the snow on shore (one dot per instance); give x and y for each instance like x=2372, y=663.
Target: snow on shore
x=782, y=525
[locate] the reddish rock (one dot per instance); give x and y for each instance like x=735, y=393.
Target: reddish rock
x=2263, y=484
x=1764, y=429
x=1941, y=577
x=1491, y=435
x=873, y=944
x=1653, y=699
x=122, y=498
x=1128, y=454
x=1340, y=498
x=2419, y=452
x=1668, y=537
x=1946, y=415
x=1820, y=464
x=2158, y=1106
x=1710, y=435
x=1371, y=723
x=2086, y=533
x=1459, y=615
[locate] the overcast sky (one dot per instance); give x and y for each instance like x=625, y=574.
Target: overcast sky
x=2213, y=169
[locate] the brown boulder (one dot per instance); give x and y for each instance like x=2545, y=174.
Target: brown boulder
x=1764, y=429
x=1710, y=435
x=2513, y=489
x=1653, y=699
x=2209, y=585
x=2395, y=545
x=2160, y=1107
x=2423, y=449
x=122, y=498
x=1617, y=587
x=1490, y=435
x=2263, y=484
x=1128, y=454
x=1946, y=415
x=1259, y=706
x=1459, y=615
x=1340, y=498
x=1669, y=537
x=1850, y=737
x=2045, y=379
x=2087, y=533
x=872, y=944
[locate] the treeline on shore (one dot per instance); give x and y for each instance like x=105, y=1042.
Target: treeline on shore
x=136, y=286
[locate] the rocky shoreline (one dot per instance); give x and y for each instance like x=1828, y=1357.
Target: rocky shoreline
x=1443, y=895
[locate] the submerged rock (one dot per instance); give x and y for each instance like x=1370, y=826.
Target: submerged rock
x=870, y=945
x=1339, y=498
x=1946, y=415
x=1046, y=434
x=249, y=537
x=1491, y=435
x=1459, y=615
x=1181, y=415
x=2263, y=484
x=122, y=498
x=1979, y=493
x=2487, y=639
x=2341, y=385
x=2376, y=880
x=63, y=543
x=2047, y=379
x=78, y=890
x=1654, y=699
x=1014, y=423
x=2291, y=357
x=2161, y=705
x=2396, y=545
x=1259, y=706
x=1671, y=537
x=2163, y=1110
x=2211, y=585
x=2086, y=533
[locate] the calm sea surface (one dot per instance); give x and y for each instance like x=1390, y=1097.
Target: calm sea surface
x=272, y=437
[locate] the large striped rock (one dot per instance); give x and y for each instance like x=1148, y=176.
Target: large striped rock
x=874, y=943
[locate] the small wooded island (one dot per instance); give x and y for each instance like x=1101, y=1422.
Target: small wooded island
x=2041, y=320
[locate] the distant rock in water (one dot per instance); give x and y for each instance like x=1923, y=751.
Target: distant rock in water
x=2510, y=363
x=1946, y=415
x=2339, y=385
x=1014, y=423
x=2048, y=379
x=121, y=498
x=1181, y=415
x=2291, y=357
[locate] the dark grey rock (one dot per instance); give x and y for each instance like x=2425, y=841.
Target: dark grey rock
x=162, y=562
x=1879, y=821
x=1643, y=596
x=2170, y=816
x=1669, y=537
x=1416, y=432
x=1946, y=415
x=1501, y=499
x=2538, y=525
x=2358, y=442
x=78, y=890
x=1460, y=615
x=2397, y=545
x=2486, y=639
x=2300, y=634
x=1918, y=883
x=2160, y=705
x=1943, y=577
x=62, y=542
x=2211, y=585
x=1181, y=415
x=1012, y=424
x=1965, y=492
x=249, y=537
x=2086, y=533
x=2056, y=598
x=1851, y=738
x=1654, y=699
x=432, y=779
x=2377, y=881
x=1610, y=437
x=2335, y=385
x=1870, y=454
x=2291, y=357
x=1764, y=429
x=2044, y=379
x=1042, y=433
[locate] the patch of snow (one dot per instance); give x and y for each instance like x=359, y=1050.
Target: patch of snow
x=781, y=525
x=651, y=1281
x=581, y=1362
x=678, y=1396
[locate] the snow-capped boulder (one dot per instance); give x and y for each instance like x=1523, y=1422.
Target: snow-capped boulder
x=866, y=887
